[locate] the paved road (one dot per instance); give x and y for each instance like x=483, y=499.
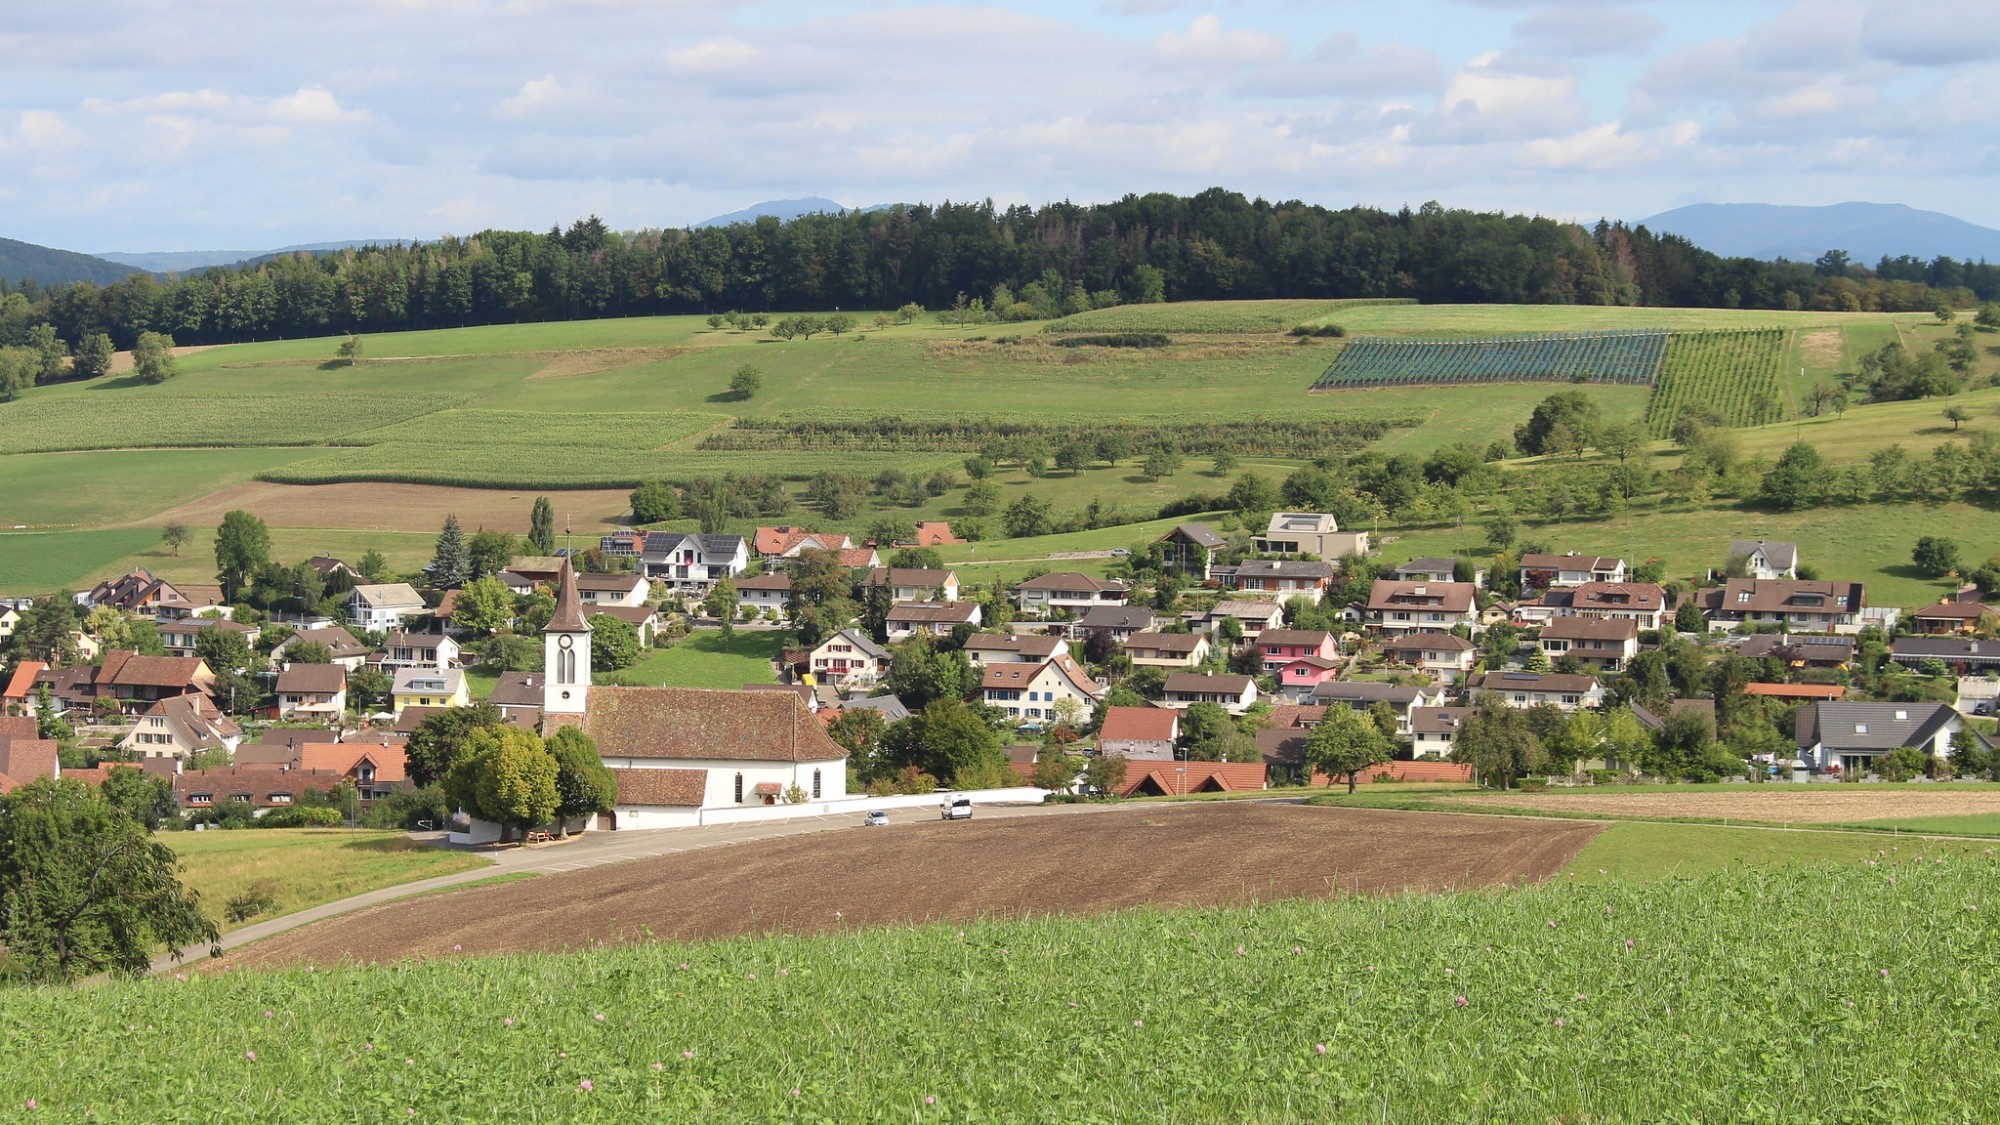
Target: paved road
x=580, y=852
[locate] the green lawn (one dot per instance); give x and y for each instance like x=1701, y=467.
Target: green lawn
x=41, y=562
x=701, y=661
x=302, y=867
x=1977, y=824
x=1660, y=851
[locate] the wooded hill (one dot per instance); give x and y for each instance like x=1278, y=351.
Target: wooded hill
x=1215, y=245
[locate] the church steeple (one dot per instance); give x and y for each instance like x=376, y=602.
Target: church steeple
x=566, y=651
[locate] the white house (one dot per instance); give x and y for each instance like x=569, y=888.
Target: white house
x=419, y=650
x=1067, y=591
x=1800, y=605
x=1013, y=648
x=179, y=726
x=906, y=619
x=1422, y=607
x=1441, y=654
x=1236, y=694
x=178, y=637
x=1764, y=558
x=339, y=644
x=1532, y=689
x=914, y=584
x=763, y=593
x=848, y=657
x=1030, y=691
x=1542, y=571
x=625, y=589
x=1167, y=650
x=1363, y=694
x=312, y=691
x=1434, y=730
x=380, y=608
x=1606, y=642
x=1283, y=579
x=1851, y=736
x=691, y=564
x=1309, y=533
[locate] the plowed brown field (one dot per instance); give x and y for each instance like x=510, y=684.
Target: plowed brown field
x=1185, y=855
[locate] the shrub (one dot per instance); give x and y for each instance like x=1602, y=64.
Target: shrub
x=249, y=903
x=301, y=818
x=1322, y=331
x=1116, y=340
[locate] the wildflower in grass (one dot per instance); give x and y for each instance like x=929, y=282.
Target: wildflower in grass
x=1447, y=970
x=267, y=1013
x=1297, y=949
x=457, y=948
x=687, y=1054
x=1138, y=1023
x=1885, y=974
x=784, y=972
x=1559, y=1022
x=586, y=1085
x=599, y=1017
x=683, y=966
x=410, y=1111
x=409, y=1062
x=659, y=1066
x=753, y=976
x=252, y=1055
x=1580, y=997
x=1240, y=951
x=368, y=1046
x=1628, y=943
x=930, y=1099
x=33, y=1104
x=795, y=1091
x=1461, y=1001
x=508, y=1022
x=1319, y=1048
x=1552, y=923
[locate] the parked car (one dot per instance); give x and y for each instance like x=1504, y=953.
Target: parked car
x=876, y=819
x=955, y=808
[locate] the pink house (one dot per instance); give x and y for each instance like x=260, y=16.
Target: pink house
x=1300, y=675
x=1282, y=646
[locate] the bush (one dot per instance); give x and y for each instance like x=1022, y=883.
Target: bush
x=249, y=903
x=1317, y=330
x=301, y=818
x=1116, y=340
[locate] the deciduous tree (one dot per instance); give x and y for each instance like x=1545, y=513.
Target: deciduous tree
x=242, y=548
x=505, y=775
x=542, y=527
x=1344, y=743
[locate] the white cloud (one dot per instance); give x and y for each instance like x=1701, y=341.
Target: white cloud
x=1483, y=102
x=1610, y=147
x=1206, y=44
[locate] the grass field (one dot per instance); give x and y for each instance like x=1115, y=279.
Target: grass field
x=1663, y=851
x=303, y=867
x=1702, y=999
x=701, y=661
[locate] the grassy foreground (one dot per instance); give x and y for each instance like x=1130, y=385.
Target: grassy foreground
x=1827, y=993
x=304, y=867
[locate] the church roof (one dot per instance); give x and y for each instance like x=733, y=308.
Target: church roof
x=569, y=609
x=694, y=724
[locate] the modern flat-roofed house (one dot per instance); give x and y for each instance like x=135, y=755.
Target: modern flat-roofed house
x=1013, y=648
x=1441, y=654
x=1067, y=592
x=1139, y=733
x=1801, y=605
x=1763, y=558
x=1852, y=736
x=1284, y=579
x=1606, y=642
x=1533, y=689
x=914, y=584
x=1539, y=572
x=1236, y=694
x=1309, y=533
x=312, y=691
x=1430, y=568
x=1191, y=550
x=1167, y=650
x=1422, y=607
x=378, y=608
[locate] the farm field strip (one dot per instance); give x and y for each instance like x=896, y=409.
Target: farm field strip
x=137, y=420
x=1733, y=373
x=1615, y=357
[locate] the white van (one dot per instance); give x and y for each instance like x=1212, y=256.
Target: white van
x=955, y=808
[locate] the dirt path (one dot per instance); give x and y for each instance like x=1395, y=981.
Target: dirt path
x=1779, y=804
x=1162, y=855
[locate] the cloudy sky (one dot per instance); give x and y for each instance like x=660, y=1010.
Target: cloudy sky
x=225, y=124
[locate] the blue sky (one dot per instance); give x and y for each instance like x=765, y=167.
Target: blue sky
x=227, y=124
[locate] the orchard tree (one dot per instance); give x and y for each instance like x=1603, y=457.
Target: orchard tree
x=176, y=536
x=93, y=357
x=746, y=382
x=1798, y=480
x=349, y=352
x=655, y=502
x=153, y=358
x=1956, y=414
x=1935, y=556
x=1344, y=743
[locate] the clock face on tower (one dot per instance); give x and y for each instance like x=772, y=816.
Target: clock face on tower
x=564, y=641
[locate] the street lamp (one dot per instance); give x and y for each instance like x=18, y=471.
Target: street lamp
x=1180, y=781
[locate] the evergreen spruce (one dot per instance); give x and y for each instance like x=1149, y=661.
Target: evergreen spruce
x=452, y=564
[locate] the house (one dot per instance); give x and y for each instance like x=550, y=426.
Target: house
x=10, y=619
x=621, y=544
x=518, y=585
x=1067, y=592
x=1013, y=648
x=1309, y=533
x=1142, y=734
x=1421, y=607
x=848, y=657
x=859, y=558
x=1283, y=578
x=21, y=696
x=1121, y=621
x=1180, y=778
x=282, y=746
x=1441, y=654
x=764, y=593
x=328, y=567
x=1298, y=676
x=1960, y=654
x=1606, y=642
x=375, y=764
x=906, y=619
x=25, y=758
x=1167, y=650
x=644, y=619
x=1361, y=695
x=419, y=650
x=1433, y=568
x=1532, y=689
x=1236, y=694
x=537, y=570
x=1763, y=558
x=1851, y=736
x=1032, y=692
x=1949, y=617
x=935, y=533
x=134, y=680
x=1540, y=572
x=1643, y=603
x=180, y=726
x=1977, y=695
x=178, y=637
x=691, y=564
x=1278, y=647
x=1796, y=692
x=627, y=589
x=312, y=691
x=340, y=644
x=380, y=608
x=1434, y=730
x=888, y=706
x=1800, y=650
x=1191, y=550
x=262, y=788
x=913, y=584
x=1805, y=605
x=1254, y=617
x=428, y=687
x=142, y=595
x=786, y=542
x=518, y=695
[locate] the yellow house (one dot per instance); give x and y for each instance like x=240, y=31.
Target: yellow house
x=428, y=687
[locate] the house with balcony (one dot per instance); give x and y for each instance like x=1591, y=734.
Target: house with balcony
x=1167, y=650
x=1299, y=676
x=180, y=726
x=1434, y=568
x=1642, y=603
x=1534, y=689
x=428, y=687
x=907, y=619
x=691, y=564
x=1033, y=693
x=178, y=637
x=1013, y=648
x=1309, y=533
x=339, y=644
x=312, y=692
x=1949, y=616
x=1421, y=607
x=1121, y=621
x=848, y=657
x=1852, y=737
x=913, y=584
x=1067, y=593
x=1800, y=605
x=1278, y=647
x=1763, y=558
x=380, y=607
x=1605, y=643
x=1191, y=549
x=1542, y=572
x=1403, y=699
x=419, y=650
x=1235, y=693
x=1283, y=579
x=1440, y=654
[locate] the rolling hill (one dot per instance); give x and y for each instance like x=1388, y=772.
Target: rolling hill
x=1867, y=231
x=22, y=260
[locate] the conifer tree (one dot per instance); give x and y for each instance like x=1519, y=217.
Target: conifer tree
x=452, y=563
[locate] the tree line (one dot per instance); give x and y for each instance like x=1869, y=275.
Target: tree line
x=1142, y=248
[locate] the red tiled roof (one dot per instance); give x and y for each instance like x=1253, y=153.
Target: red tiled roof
x=129, y=669
x=683, y=788
x=695, y=724
x=1169, y=778
x=1796, y=691
x=313, y=679
x=25, y=759
x=1138, y=724
x=935, y=533
x=19, y=726
x=22, y=683
x=391, y=762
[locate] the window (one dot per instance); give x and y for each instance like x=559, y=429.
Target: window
x=815, y=785
x=739, y=788
x=281, y=798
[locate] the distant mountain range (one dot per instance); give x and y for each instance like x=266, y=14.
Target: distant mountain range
x=785, y=210
x=21, y=260
x=1867, y=231
x=181, y=261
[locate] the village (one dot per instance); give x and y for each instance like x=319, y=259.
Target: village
x=1205, y=667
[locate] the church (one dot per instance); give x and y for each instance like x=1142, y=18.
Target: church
x=680, y=752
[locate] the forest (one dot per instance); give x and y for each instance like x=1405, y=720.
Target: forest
x=1142, y=248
